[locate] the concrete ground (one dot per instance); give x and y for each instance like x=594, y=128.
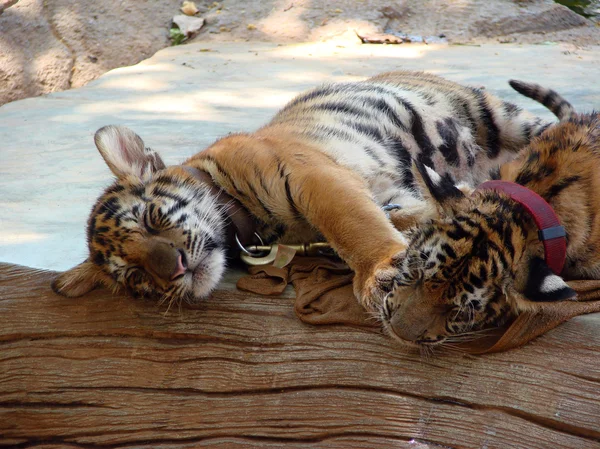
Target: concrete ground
x=183, y=98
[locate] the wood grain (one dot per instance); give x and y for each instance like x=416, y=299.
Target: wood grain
x=242, y=371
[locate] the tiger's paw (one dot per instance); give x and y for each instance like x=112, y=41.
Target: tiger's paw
x=372, y=288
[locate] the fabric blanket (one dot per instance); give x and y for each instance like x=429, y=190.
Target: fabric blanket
x=324, y=296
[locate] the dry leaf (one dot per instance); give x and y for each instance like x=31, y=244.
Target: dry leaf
x=382, y=39
x=189, y=8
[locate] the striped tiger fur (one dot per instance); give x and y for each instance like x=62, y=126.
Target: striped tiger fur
x=321, y=169
x=480, y=261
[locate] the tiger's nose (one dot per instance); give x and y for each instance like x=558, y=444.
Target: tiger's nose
x=166, y=261
x=412, y=322
x=180, y=266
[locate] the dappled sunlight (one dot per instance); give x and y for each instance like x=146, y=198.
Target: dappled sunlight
x=248, y=98
x=305, y=76
x=140, y=69
x=332, y=50
x=134, y=83
x=343, y=30
x=281, y=13
x=157, y=103
x=11, y=238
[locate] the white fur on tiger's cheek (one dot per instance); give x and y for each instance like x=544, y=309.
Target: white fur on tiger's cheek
x=208, y=274
x=552, y=283
x=434, y=176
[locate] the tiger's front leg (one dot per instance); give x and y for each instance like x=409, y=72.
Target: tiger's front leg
x=337, y=202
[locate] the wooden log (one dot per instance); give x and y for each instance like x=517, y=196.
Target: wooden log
x=242, y=371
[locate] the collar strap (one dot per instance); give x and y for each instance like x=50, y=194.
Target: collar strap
x=243, y=224
x=550, y=231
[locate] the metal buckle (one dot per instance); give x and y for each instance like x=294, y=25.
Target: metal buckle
x=280, y=254
x=244, y=250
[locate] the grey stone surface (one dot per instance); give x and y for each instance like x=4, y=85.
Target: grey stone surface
x=183, y=98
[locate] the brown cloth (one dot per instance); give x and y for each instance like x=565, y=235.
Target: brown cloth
x=324, y=295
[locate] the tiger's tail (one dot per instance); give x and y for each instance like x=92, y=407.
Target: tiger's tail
x=548, y=97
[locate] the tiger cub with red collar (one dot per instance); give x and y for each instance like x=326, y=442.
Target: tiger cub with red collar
x=320, y=170
x=489, y=256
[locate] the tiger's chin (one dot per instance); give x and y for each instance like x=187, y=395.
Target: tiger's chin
x=206, y=276
x=417, y=344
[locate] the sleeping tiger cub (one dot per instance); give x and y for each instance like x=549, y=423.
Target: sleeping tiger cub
x=488, y=256
x=320, y=170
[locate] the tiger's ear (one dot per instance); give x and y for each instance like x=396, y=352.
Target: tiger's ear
x=542, y=285
x=79, y=280
x=436, y=189
x=124, y=152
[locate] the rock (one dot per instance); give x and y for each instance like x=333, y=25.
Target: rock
x=557, y=18
x=395, y=12
x=45, y=46
x=32, y=60
x=188, y=25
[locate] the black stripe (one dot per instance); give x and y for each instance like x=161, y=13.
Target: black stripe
x=261, y=179
x=102, y=230
x=288, y=193
x=109, y=207
x=495, y=173
x=487, y=117
x=404, y=159
x=542, y=129
x=342, y=108
x=511, y=110
x=319, y=92
x=458, y=232
x=524, y=177
x=267, y=211
x=343, y=135
x=279, y=231
x=176, y=207
x=418, y=132
x=383, y=106
x=526, y=128
x=549, y=99
x=475, y=280
x=209, y=243
x=534, y=156
x=448, y=131
x=560, y=186
x=369, y=131
x=158, y=191
x=115, y=189
x=483, y=273
x=138, y=191
x=463, y=108
x=449, y=251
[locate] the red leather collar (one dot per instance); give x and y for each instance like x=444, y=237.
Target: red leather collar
x=550, y=231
